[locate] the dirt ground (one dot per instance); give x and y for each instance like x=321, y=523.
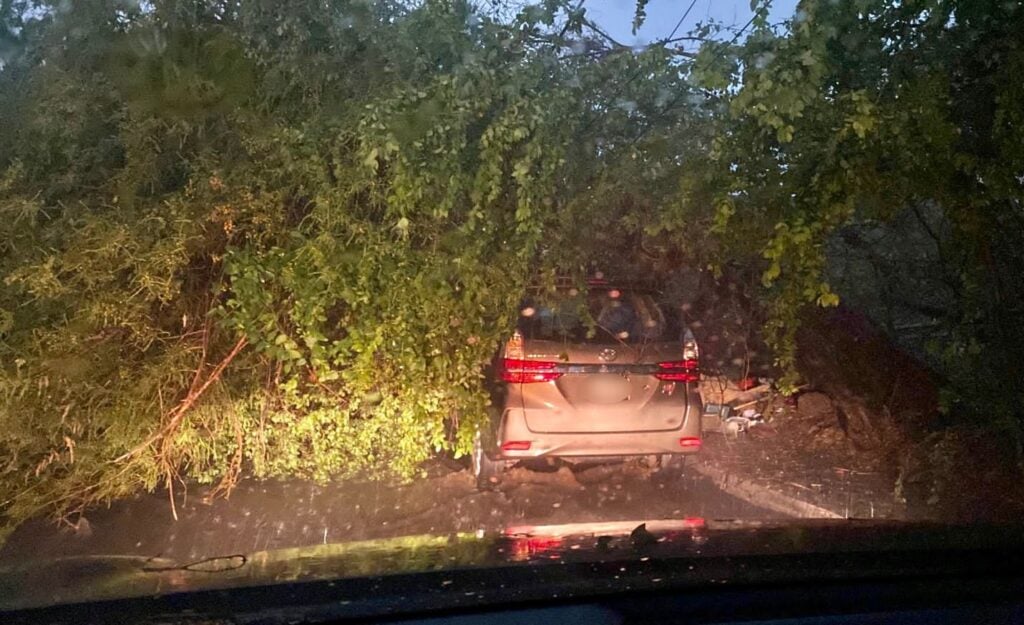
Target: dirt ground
x=838, y=443
x=802, y=451
x=864, y=436
x=261, y=516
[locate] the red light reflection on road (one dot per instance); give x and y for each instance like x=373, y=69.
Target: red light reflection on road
x=531, y=547
x=528, y=542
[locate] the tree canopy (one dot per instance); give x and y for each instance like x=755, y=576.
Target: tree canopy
x=286, y=237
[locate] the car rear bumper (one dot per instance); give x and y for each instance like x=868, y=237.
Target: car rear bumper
x=583, y=444
x=552, y=449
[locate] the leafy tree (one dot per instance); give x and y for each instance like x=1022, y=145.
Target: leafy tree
x=851, y=116
x=287, y=237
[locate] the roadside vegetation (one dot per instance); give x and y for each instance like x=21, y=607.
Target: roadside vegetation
x=284, y=238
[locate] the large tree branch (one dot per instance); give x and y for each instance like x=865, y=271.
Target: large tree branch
x=177, y=414
x=597, y=30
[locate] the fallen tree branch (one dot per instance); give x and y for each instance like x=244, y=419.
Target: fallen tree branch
x=178, y=412
x=234, y=470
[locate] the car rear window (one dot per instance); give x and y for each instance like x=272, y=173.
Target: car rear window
x=606, y=316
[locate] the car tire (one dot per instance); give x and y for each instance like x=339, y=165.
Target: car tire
x=486, y=470
x=671, y=465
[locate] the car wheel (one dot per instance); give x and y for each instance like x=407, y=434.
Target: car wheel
x=486, y=470
x=671, y=465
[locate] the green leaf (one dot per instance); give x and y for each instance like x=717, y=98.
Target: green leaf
x=371, y=159
x=827, y=300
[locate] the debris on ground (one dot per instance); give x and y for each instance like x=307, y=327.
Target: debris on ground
x=747, y=383
x=733, y=407
x=736, y=424
x=757, y=434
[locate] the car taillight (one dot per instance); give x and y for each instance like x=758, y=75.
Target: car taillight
x=519, y=371
x=690, y=442
x=678, y=371
x=515, y=446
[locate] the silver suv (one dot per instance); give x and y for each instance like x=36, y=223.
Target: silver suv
x=593, y=375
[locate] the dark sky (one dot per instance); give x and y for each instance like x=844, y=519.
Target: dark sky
x=616, y=16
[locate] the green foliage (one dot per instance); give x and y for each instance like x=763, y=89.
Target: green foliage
x=359, y=194
x=853, y=112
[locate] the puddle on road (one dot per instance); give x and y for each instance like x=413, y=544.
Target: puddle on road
x=262, y=516
x=618, y=492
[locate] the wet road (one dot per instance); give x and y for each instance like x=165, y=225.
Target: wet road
x=262, y=516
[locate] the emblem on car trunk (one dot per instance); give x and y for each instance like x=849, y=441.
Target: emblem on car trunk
x=607, y=355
